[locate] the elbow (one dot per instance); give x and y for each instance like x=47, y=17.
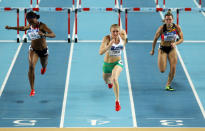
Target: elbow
x=182, y=40
x=53, y=35
x=100, y=53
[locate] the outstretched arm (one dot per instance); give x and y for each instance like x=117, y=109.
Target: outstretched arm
x=21, y=28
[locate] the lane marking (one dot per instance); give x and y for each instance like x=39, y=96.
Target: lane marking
x=10, y=68
x=197, y=4
x=19, y=123
x=191, y=83
x=68, y=77
x=23, y=118
x=188, y=77
x=134, y=120
x=169, y=118
x=6, y=41
x=39, y=1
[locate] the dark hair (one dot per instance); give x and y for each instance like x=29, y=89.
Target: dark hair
x=31, y=15
x=169, y=13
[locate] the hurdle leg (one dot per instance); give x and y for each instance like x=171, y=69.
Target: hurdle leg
x=18, y=36
x=69, y=26
x=25, y=34
x=76, y=26
x=126, y=23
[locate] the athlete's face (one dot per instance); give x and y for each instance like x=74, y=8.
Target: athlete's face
x=115, y=32
x=168, y=20
x=32, y=21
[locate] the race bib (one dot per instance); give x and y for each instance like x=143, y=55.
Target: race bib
x=33, y=34
x=169, y=36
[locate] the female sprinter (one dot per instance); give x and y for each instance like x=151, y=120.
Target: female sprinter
x=168, y=33
x=37, y=32
x=112, y=45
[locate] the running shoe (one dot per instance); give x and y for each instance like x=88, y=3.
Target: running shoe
x=43, y=70
x=117, y=106
x=110, y=85
x=169, y=88
x=32, y=92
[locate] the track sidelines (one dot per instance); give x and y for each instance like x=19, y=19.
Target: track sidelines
x=128, y=75
x=10, y=69
x=102, y=129
x=113, y=129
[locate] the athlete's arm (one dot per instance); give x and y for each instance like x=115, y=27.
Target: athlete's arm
x=21, y=28
x=49, y=32
x=105, y=46
x=180, y=33
x=156, y=37
x=123, y=35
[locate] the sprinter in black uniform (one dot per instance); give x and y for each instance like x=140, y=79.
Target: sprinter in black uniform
x=37, y=32
x=168, y=33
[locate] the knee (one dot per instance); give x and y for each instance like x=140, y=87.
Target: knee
x=173, y=68
x=114, y=80
x=162, y=70
x=31, y=68
x=106, y=81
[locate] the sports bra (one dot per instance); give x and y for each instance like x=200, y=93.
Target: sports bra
x=33, y=33
x=116, y=49
x=169, y=35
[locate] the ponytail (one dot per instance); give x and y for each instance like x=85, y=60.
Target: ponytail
x=169, y=13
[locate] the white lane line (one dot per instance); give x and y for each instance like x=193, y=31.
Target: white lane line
x=67, y=77
x=39, y=1
x=130, y=89
x=171, y=118
x=189, y=78
x=196, y=3
x=24, y=118
x=134, y=120
x=191, y=83
x=10, y=69
x=7, y=41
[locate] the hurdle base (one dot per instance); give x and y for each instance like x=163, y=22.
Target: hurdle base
x=25, y=40
x=69, y=40
x=18, y=40
x=76, y=40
